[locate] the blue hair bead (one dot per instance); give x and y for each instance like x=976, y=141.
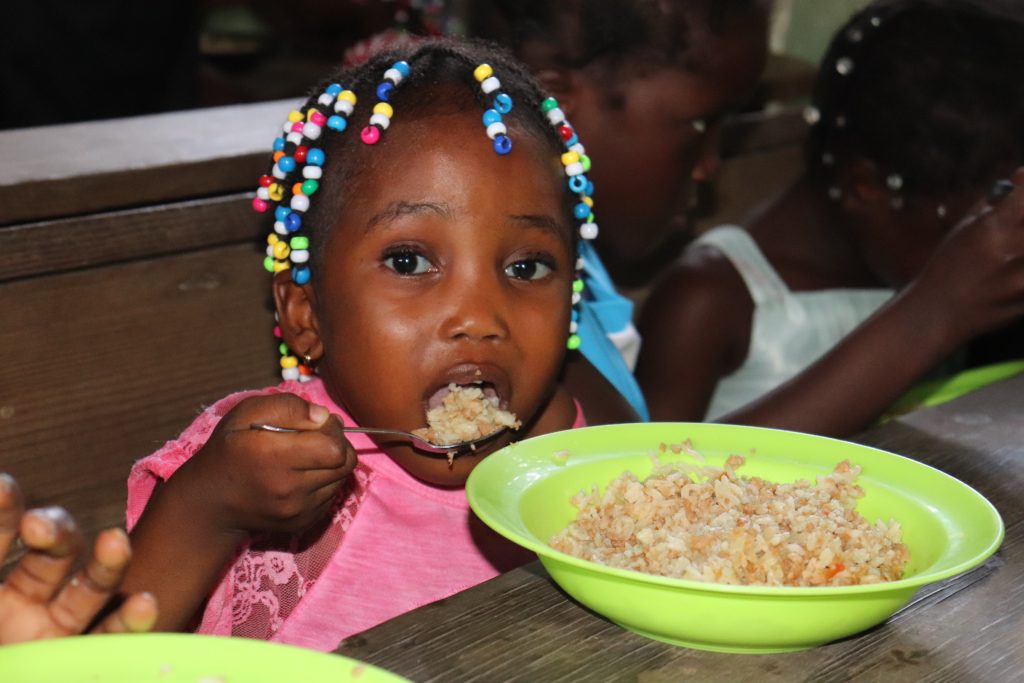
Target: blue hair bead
x=590, y=189
x=286, y=164
x=578, y=183
x=581, y=211
x=278, y=144
x=293, y=221
x=572, y=141
x=503, y=103
x=333, y=89
x=337, y=123
x=300, y=275
x=502, y=144
x=281, y=213
x=401, y=67
x=384, y=91
x=315, y=156
x=491, y=116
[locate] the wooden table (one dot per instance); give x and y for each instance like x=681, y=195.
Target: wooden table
x=521, y=627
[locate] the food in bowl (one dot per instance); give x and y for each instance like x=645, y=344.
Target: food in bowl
x=697, y=522
x=465, y=413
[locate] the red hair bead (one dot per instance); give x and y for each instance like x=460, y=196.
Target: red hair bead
x=370, y=135
x=265, y=181
x=300, y=154
x=259, y=204
x=565, y=132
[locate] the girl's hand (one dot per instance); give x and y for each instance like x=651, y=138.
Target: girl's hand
x=974, y=282
x=245, y=480
x=36, y=601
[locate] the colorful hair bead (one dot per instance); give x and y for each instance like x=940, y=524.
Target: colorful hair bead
x=380, y=119
x=293, y=180
x=576, y=164
x=501, y=103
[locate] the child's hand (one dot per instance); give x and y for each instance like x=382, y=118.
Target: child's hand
x=976, y=276
x=246, y=480
x=35, y=601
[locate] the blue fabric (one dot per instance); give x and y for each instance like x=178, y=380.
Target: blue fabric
x=602, y=311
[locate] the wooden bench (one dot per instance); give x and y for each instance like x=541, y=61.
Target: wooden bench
x=132, y=292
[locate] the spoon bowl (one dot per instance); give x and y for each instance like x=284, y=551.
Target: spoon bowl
x=428, y=447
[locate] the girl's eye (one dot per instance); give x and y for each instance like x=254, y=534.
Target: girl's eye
x=528, y=269
x=407, y=262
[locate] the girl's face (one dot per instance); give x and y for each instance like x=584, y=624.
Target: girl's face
x=449, y=264
x=647, y=152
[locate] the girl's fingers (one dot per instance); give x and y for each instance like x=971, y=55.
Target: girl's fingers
x=137, y=614
x=53, y=543
x=11, y=508
x=92, y=586
x=283, y=410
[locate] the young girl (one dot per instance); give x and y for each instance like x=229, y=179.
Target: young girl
x=917, y=111
x=426, y=209
x=646, y=84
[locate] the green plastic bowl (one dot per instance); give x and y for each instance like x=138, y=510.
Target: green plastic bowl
x=177, y=658
x=523, y=492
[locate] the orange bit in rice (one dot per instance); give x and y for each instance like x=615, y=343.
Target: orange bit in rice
x=708, y=524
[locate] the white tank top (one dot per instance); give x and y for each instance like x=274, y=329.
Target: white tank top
x=790, y=330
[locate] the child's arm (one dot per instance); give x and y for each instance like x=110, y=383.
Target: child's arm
x=696, y=329
x=973, y=283
x=37, y=600
x=242, y=481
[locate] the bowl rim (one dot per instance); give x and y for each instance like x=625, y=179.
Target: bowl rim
x=546, y=552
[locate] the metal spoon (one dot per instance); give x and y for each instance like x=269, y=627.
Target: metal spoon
x=429, y=447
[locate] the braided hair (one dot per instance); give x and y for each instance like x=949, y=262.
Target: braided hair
x=440, y=81
x=927, y=90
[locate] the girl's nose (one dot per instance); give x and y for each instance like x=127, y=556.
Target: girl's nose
x=476, y=311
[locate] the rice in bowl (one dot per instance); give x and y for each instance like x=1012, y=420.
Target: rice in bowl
x=709, y=524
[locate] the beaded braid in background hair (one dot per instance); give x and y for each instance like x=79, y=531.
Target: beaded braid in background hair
x=299, y=159
x=928, y=90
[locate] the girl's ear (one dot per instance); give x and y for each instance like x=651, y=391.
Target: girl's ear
x=296, y=315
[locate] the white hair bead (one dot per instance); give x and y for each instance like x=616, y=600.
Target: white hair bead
x=393, y=75
x=270, y=250
x=495, y=129
x=295, y=137
x=573, y=327
x=574, y=168
x=300, y=202
x=311, y=171
x=278, y=173
x=588, y=231
x=489, y=85
x=343, y=107
x=380, y=120
x=287, y=127
x=576, y=297
x=290, y=373
x=280, y=228
x=325, y=99
x=556, y=116
x=263, y=193
x=299, y=255
x=311, y=130
x=578, y=148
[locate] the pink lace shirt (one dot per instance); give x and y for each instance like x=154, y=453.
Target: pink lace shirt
x=393, y=544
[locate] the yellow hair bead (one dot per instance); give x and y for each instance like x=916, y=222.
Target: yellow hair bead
x=281, y=265
x=295, y=116
x=276, y=192
x=289, y=362
x=483, y=72
x=281, y=250
x=273, y=239
x=570, y=158
x=588, y=201
x=383, y=108
x=347, y=96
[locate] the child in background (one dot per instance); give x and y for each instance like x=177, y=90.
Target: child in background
x=41, y=598
x=647, y=84
x=918, y=109
x=411, y=253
